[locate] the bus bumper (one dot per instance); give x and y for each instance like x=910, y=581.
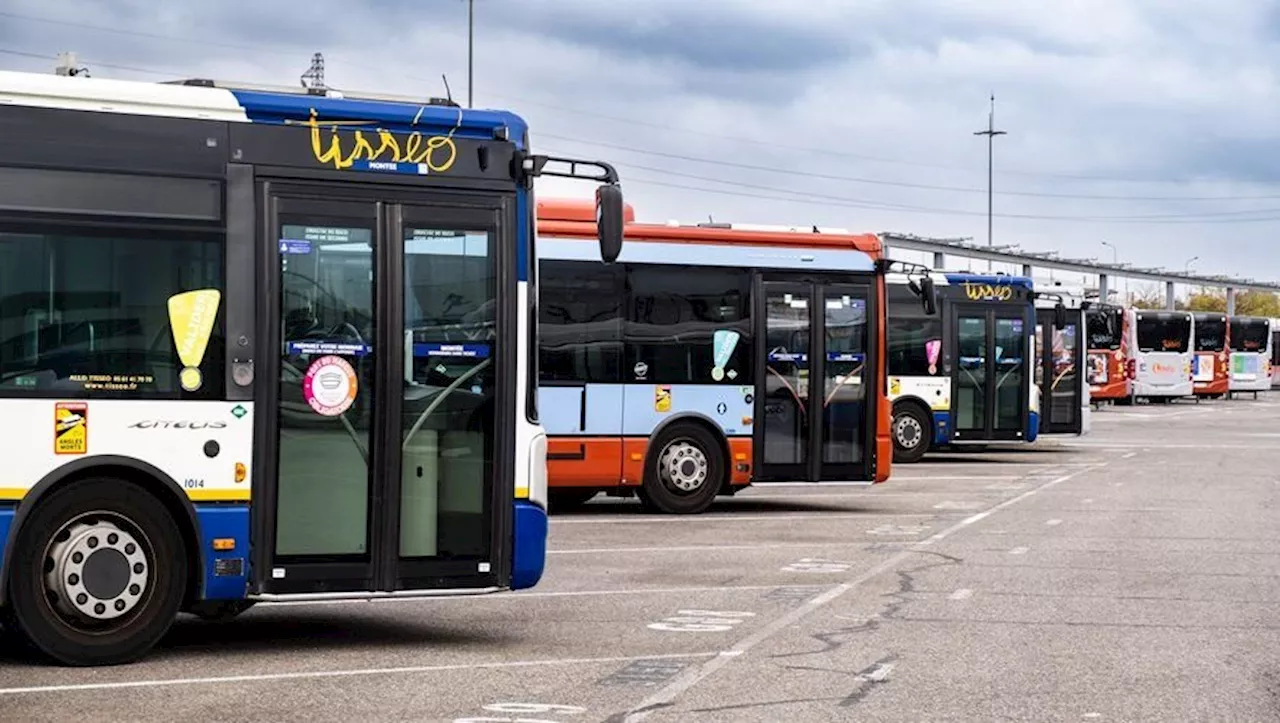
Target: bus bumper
x=529, y=558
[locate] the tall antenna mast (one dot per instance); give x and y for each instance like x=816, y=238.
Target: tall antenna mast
x=990, y=133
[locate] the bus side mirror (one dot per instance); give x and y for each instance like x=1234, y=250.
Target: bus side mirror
x=609, y=221
x=1060, y=316
x=928, y=296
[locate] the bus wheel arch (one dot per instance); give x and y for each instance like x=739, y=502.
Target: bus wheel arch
x=160, y=485
x=693, y=447
x=99, y=570
x=918, y=416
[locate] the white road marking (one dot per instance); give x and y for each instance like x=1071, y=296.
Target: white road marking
x=744, y=517
x=1051, y=523
x=348, y=673
x=706, y=548
x=953, y=505
x=1128, y=455
x=1087, y=500
x=963, y=593
x=697, y=673
x=541, y=593
x=1019, y=551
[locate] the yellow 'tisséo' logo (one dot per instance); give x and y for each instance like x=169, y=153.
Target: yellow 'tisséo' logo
x=436, y=153
x=987, y=292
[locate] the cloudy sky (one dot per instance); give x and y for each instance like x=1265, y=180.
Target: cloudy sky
x=1149, y=124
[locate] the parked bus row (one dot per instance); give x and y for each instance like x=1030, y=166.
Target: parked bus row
x=715, y=356
x=1164, y=355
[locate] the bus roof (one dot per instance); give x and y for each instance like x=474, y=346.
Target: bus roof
x=246, y=102
x=959, y=277
x=575, y=218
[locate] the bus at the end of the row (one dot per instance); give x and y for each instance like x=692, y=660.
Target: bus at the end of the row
x=1250, y=340
x=263, y=345
x=710, y=357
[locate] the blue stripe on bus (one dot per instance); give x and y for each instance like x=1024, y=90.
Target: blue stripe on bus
x=525, y=233
x=1034, y=431
x=942, y=427
x=6, y=521
x=644, y=408
x=638, y=409
x=529, y=541
x=689, y=254
x=223, y=522
x=398, y=117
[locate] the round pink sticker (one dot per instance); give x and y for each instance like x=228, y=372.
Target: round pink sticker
x=330, y=386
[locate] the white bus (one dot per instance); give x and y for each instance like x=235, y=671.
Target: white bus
x=1250, y=339
x=1164, y=349
x=258, y=346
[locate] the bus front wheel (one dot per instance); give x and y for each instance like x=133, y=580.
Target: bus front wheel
x=911, y=435
x=97, y=575
x=683, y=471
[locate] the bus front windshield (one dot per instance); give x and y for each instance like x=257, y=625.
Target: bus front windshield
x=1249, y=334
x=1104, y=328
x=1163, y=333
x=1211, y=334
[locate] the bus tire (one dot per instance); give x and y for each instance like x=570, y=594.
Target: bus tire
x=683, y=471
x=912, y=434
x=566, y=499
x=98, y=573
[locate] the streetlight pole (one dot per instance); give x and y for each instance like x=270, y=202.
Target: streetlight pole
x=990, y=133
x=1115, y=261
x=1186, y=268
x=471, y=34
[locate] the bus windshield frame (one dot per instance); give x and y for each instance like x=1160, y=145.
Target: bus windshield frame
x=1163, y=332
x=1211, y=333
x=1246, y=330
x=1104, y=327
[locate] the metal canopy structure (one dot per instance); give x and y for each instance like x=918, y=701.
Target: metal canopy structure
x=1051, y=260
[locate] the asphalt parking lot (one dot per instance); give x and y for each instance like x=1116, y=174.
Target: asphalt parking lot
x=1132, y=574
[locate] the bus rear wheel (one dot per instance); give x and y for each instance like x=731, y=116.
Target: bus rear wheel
x=97, y=574
x=911, y=435
x=683, y=471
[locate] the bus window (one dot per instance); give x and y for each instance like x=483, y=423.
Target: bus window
x=1249, y=334
x=87, y=314
x=1104, y=328
x=914, y=338
x=1211, y=333
x=1163, y=332
x=671, y=330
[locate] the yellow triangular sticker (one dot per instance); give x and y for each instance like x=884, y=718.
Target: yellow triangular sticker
x=191, y=317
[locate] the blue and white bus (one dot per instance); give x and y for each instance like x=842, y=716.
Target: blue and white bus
x=961, y=375
x=262, y=345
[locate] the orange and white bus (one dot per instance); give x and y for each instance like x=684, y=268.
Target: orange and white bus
x=1111, y=369
x=1210, y=375
x=708, y=358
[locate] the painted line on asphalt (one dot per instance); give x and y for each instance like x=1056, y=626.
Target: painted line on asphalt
x=346, y=673
x=696, y=674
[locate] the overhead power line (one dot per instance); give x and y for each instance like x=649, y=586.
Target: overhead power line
x=828, y=152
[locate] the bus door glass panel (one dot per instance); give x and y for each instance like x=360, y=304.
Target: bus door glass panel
x=326, y=383
x=1010, y=368
x=844, y=403
x=447, y=422
x=969, y=404
x=1059, y=375
x=786, y=376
